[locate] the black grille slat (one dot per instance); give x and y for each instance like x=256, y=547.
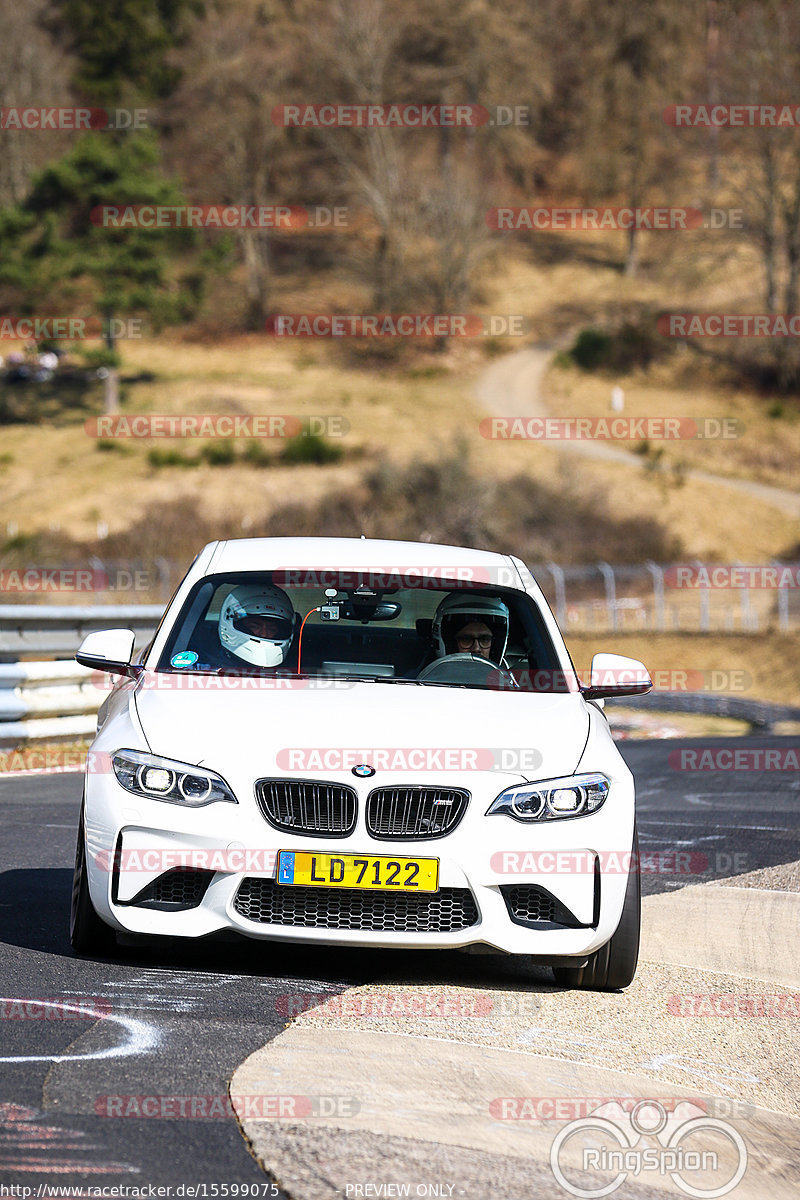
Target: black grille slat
x=307, y=806
x=268, y=903
x=414, y=812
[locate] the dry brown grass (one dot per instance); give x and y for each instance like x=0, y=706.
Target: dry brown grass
x=769, y=661
x=417, y=408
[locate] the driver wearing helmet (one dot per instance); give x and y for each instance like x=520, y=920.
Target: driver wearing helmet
x=471, y=625
x=256, y=624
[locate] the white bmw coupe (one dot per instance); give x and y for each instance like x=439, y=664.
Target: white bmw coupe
x=363, y=743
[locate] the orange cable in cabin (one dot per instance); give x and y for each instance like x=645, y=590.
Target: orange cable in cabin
x=300, y=637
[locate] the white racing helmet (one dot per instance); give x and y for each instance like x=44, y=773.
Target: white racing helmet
x=256, y=623
x=456, y=610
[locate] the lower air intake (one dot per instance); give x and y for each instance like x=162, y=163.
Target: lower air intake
x=175, y=890
x=447, y=911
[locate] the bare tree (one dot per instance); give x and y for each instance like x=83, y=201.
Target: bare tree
x=615, y=65
x=760, y=65
x=236, y=67
x=34, y=73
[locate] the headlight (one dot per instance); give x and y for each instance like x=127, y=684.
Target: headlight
x=174, y=782
x=553, y=799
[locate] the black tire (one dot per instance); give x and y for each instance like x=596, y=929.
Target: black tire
x=613, y=966
x=87, y=933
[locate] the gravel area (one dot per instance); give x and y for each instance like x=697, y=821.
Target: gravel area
x=323, y=1164
x=783, y=878
x=720, y=1034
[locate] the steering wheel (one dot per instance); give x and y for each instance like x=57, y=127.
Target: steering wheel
x=467, y=668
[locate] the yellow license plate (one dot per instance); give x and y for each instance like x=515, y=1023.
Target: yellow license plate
x=316, y=869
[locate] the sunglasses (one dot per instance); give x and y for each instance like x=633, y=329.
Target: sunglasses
x=467, y=639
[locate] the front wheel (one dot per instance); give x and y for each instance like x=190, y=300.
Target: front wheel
x=613, y=966
x=87, y=933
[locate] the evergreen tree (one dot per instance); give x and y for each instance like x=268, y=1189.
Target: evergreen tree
x=55, y=245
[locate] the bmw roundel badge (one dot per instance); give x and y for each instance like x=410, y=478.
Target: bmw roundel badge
x=363, y=770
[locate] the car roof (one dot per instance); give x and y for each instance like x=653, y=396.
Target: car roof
x=253, y=554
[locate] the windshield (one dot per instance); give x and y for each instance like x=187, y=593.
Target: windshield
x=339, y=625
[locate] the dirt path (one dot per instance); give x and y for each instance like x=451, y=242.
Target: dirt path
x=512, y=387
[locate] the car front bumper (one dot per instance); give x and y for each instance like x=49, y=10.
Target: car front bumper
x=581, y=862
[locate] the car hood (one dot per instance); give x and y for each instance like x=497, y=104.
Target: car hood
x=319, y=728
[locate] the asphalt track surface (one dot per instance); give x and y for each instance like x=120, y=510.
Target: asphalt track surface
x=183, y=1017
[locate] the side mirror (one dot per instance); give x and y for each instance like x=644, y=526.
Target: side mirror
x=614, y=675
x=109, y=650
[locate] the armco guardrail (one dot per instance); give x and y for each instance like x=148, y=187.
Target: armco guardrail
x=46, y=689
x=56, y=631
x=53, y=700
x=761, y=715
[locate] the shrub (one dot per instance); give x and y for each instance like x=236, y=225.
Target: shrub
x=311, y=448
x=635, y=344
x=219, y=454
x=158, y=457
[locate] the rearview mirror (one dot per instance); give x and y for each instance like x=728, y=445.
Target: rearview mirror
x=360, y=610
x=614, y=675
x=109, y=650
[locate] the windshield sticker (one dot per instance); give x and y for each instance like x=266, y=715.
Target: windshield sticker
x=186, y=658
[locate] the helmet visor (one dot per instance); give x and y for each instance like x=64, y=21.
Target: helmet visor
x=264, y=625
